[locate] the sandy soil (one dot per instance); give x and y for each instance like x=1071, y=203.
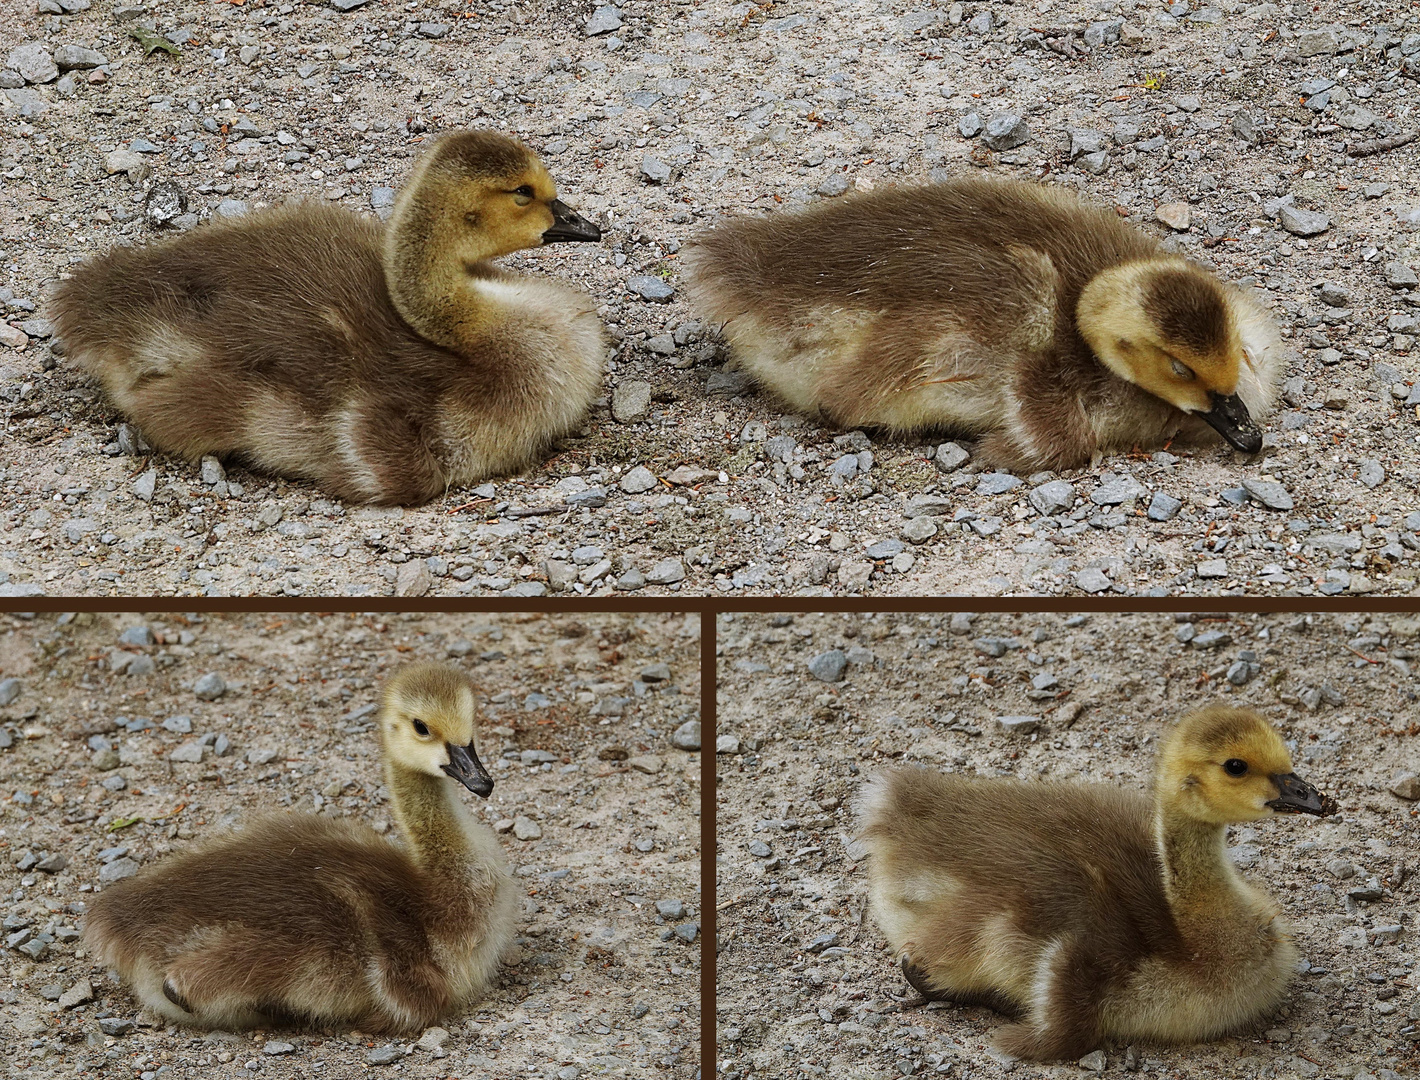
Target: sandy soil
x=806, y=986
x=686, y=111
x=599, y=982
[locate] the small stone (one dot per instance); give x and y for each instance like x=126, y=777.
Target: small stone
x=165, y=201
x=1213, y=568
x=9, y=691
x=78, y=58
x=1092, y=580
x=1400, y=276
x=970, y=125
x=115, y=1025
x=525, y=828
x=209, y=687
x=1019, y=725
x=828, y=666
x=649, y=764
x=433, y=1039
x=727, y=744
x=656, y=673
x=666, y=572
x=1301, y=222
x=630, y=581
x=1269, y=493
x=1054, y=497
x=146, y=485
x=33, y=62
x=654, y=170
x=950, y=457
x=276, y=1046
x=631, y=401
x=822, y=941
x=118, y=870
x=833, y=186
x=77, y=994
x=650, y=287
x=638, y=481
x=1212, y=639
x=52, y=864
x=670, y=909
x=413, y=579
x=1115, y=492
x=1163, y=507
x=918, y=530
x=1094, y=1061
x=189, y=752
x=885, y=549
x=997, y=483
x=1177, y=216
x=687, y=736
x=604, y=20
x=1406, y=785
x=1005, y=131
x=1372, y=473
x=384, y=1055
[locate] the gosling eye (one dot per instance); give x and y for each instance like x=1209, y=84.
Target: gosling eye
x=523, y=195
x=1182, y=370
x=1235, y=767
x=420, y=728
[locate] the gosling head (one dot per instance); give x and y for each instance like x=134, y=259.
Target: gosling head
x=1223, y=765
x=489, y=195
x=427, y=722
x=1169, y=328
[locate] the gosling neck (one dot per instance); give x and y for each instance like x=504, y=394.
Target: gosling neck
x=430, y=282
x=431, y=817
x=1205, y=893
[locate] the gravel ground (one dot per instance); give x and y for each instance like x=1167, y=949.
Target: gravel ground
x=1224, y=126
x=604, y=978
x=806, y=984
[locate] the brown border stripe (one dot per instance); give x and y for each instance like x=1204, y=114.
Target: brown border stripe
x=709, y=938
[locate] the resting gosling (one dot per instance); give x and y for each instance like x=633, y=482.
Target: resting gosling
x=1087, y=911
x=1004, y=310
x=385, y=363
x=311, y=921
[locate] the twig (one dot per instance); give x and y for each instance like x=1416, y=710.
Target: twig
x=1362, y=655
x=1380, y=146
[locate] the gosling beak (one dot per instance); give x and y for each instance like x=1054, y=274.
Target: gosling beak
x=1229, y=418
x=1299, y=797
x=567, y=224
x=465, y=767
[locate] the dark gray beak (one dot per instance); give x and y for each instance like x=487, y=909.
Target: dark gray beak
x=1299, y=797
x=567, y=224
x=465, y=767
x=1229, y=418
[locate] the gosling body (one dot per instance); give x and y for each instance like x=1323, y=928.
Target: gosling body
x=309, y=921
x=1083, y=911
x=386, y=362
x=1007, y=311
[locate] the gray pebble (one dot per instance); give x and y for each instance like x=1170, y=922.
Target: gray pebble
x=631, y=401
x=1213, y=568
x=9, y=691
x=885, y=549
x=687, y=736
x=828, y=666
x=384, y=1055
x=970, y=125
x=33, y=63
x=525, y=828
x=1400, y=276
x=950, y=457
x=1115, y=492
x=638, y=481
x=276, y=1046
x=1212, y=639
x=650, y=287
x=670, y=909
x=655, y=170
x=1053, y=497
x=1301, y=222
x=1163, y=507
x=165, y=202
x=78, y=58
x=146, y=485
x=604, y=20
x=118, y=870
x=1005, y=131
x=1269, y=493
x=919, y=530
x=1019, y=725
x=1372, y=473
x=666, y=572
x=631, y=580
x=209, y=687
x=1092, y=580
x=833, y=186
x=115, y=1025
x=997, y=483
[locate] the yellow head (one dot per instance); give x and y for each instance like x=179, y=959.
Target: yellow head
x=1169, y=328
x=1222, y=765
x=485, y=194
x=427, y=722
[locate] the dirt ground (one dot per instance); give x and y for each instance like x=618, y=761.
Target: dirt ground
x=806, y=985
x=579, y=716
x=657, y=119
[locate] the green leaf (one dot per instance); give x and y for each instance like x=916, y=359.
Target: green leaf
x=151, y=42
x=122, y=823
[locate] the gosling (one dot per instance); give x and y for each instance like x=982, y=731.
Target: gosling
x=306, y=921
x=1007, y=311
x=387, y=364
x=1088, y=912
